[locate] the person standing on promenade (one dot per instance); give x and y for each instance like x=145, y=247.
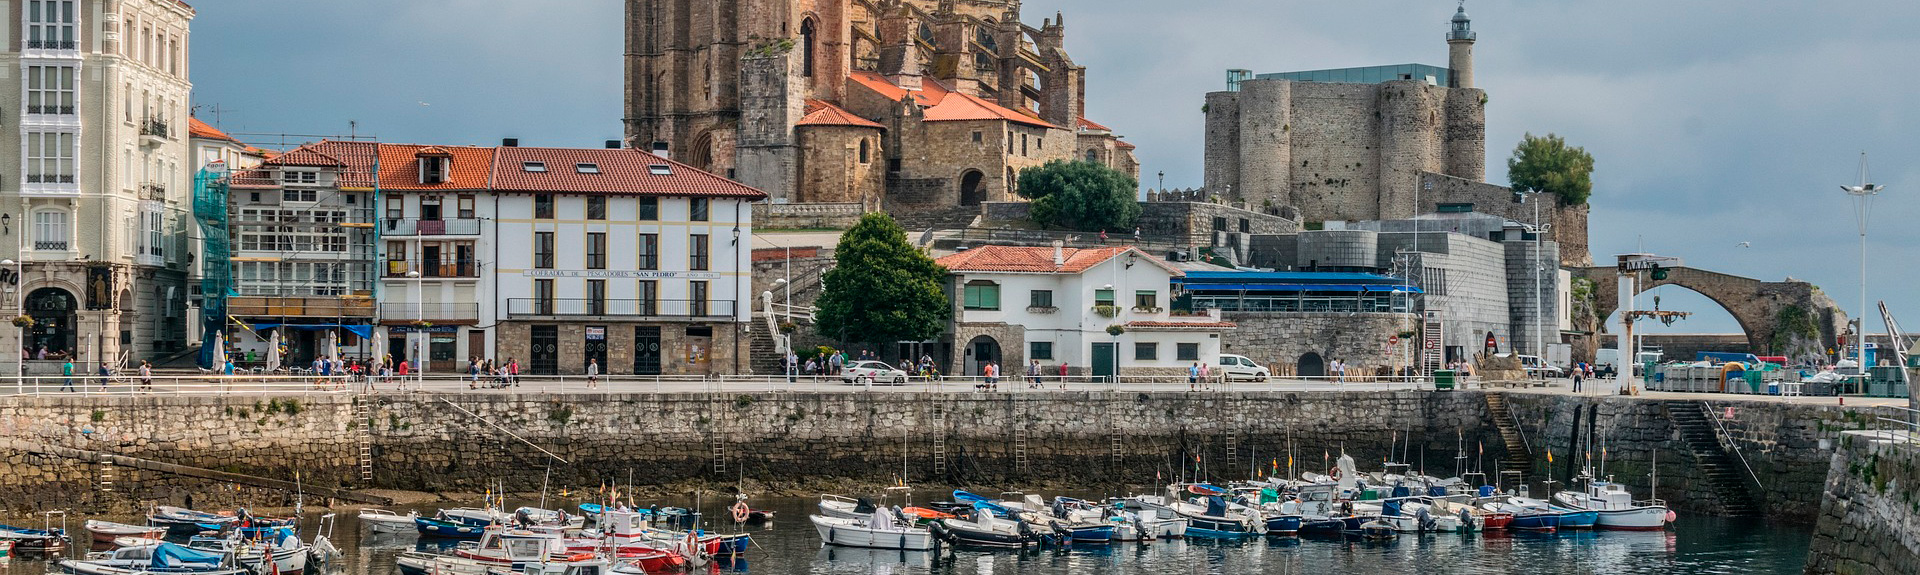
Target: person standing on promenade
x=146, y=375
x=593, y=374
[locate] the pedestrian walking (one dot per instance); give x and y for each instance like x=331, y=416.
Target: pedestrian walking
x=66, y=370
x=1579, y=373
x=593, y=374
x=1206, y=375
x=1193, y=377
x=146, y=375
x=1033, y=375
x=791, y=365
x=105, y=373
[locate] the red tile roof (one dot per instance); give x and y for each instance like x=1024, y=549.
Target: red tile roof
x=823, y=113
x=1123, y=144
x=1026, y=259
x=400, y=168
x=879, y=84
x=1086, y=124
x=353, y=161
x=622, y=171
x=963, y=106
x=199, y=129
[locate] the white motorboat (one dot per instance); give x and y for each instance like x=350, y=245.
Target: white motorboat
x=879, y=531
x=846, y=507
x=159, y=558
x=1616, y=507
x=289, y=555
x=107, y=531
x=384, y=521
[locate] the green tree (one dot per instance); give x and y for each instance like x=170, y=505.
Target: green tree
x=1080, y=196
x=882, y=289
x=1548, y=164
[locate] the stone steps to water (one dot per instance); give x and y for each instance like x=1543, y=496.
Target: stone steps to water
x=1726, y=479
x=1517, y=458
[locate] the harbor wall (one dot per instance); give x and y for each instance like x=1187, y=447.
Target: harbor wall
x=1870, y=517
x=800, y=441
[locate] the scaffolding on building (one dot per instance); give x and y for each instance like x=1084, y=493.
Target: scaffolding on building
x=216, y=272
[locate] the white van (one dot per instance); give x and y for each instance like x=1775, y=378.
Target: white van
x=1239, y=367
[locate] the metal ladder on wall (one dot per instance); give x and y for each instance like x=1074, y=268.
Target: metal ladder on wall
x=1020, y=448
x=107, y=474
x=363, y=434
x=939, y=441
x=1233, y=451
x=1116, y=451
x=719, y=455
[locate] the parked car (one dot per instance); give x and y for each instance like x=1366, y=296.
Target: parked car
x=1239, y=367
x=1536, y=367
x=878, y=370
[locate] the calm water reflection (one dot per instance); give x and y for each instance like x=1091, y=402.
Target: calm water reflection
x=1701, y=545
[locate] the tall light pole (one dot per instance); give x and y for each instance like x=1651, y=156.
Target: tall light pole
x=1863, y=195
x=19, y=285
x=419, y=321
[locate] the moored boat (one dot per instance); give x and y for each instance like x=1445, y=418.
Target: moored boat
x=384, y=521
x=158, y=558
x=1614, y=507
x=879, y=531
x=182, y=521
x=34, y=540
x=108, y=531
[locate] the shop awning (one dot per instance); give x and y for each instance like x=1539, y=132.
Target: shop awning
x=365, y=331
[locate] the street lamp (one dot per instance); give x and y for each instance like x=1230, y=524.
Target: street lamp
x=1863, y=195
x=419, y=320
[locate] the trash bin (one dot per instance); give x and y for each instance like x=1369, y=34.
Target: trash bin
x=1443, y=379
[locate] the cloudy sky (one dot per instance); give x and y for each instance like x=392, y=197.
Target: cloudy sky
x=1712, y=122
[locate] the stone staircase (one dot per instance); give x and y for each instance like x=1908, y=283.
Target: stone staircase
x=1519, y=457
x=1726, y=477
x=763, y=354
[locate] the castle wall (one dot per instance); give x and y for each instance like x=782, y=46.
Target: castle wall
x=831, y=169
x=1568, y=224
x=1335, y=145
x=768, y=157
x=1221, y=152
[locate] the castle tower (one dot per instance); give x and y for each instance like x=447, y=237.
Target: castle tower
x=1460, y=50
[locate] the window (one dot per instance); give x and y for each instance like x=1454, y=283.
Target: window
x=596, y=297
x=430, y=208
x=50, y=157
x=660, y=169
x=433, y=169
x=1246, y=226
x=299, y=177
x=980, y=294
x=596, y=207
x=396, y=258
x=536, y=167
x=50, y=90
x=698, y=210
x=1040, y=350
x=1023, y=144
x=649, y=252
x=1093, y=156
x=543, y=207
x=50, y=25
x=596, y=250
x=50, y=230
x=586, y=168
x=1146, y=351
x=543, y=297
x=1146, y=299
x=697, y=252
x=465, y=206
x=863, y=150
x=1040, y=298
x=649, y=297
x=698, y=293
x=806, y=48
x=543, y=250
x=396, y=207
x=649, y=209
x=977, y=137
x=1103, y=297
x=1189, y=352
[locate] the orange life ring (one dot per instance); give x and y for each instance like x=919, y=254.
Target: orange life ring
x=740, y=512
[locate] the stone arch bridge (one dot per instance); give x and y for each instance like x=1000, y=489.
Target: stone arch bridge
x=1754, y=303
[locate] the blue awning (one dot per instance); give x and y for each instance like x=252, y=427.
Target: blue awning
x=365, y=331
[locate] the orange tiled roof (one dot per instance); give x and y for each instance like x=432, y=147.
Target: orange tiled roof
x=352, y=160
x=1086, y=124
x=963, y=106
x=823, y=113
x=199, y=129
x=469, y=169
x=1026, y=259
x=1123, y=144
x=621, y=171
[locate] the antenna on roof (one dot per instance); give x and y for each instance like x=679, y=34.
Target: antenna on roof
x=353, y=129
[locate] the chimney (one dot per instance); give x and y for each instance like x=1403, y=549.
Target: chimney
x=1059, y=255
x=613, y=144
x=510, y=142
x=660, y=149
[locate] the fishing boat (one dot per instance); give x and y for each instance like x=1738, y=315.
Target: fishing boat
x=1154, y=518
x=1616, y=509
x=881, y=530
x=287, y=556
x=983, y=529
x=166, y=558
x=34, y=541
x=442, y=528
x=473, y=516
x=182, y=521
x=108, y=531
x=423, y=563
x=845, y=507
x=384, y=521
x=1213, y=517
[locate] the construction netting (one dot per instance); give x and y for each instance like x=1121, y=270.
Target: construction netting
x=216, y=270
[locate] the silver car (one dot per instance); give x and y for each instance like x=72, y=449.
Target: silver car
x=878, y=371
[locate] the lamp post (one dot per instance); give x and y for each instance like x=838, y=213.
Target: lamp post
x=419, y=317
x=1862, y=195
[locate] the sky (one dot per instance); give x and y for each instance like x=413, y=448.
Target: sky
x=1711, y=122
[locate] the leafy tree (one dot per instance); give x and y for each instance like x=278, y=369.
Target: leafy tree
x=881, y=288
x=1548, y=164
x=1080, y=195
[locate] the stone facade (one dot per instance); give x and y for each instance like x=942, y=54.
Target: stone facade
x=1869, y=521
x=685, y=348
x=1295, y=343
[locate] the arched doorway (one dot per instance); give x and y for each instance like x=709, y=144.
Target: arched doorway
x=980, y=352
x=54, y=321
x=971, y=193
x=1310, y=366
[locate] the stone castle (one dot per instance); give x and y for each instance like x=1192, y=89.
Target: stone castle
x=915, y=105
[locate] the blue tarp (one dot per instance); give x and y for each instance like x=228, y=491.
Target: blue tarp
x=365, y=331
x=169, y=555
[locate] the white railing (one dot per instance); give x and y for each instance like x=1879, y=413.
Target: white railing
x=246, y=384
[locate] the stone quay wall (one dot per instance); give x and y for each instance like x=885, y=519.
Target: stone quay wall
x=423, y=442
x=1870, y=517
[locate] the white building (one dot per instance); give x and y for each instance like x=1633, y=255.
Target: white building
x=96, y=101
x=1013, y=305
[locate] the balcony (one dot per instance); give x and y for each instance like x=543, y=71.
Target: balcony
x=53, y=45
x=468, y=269
x=156, y=192
x=534, y=308
x=50, y=245
x=153, y=132
x=441, y=312
x=417, y=227
x=50, y=110
x=333, y=307
x=50, y=178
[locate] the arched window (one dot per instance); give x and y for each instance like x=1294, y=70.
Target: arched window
x=1093, y=156
x=806, y=47
x=863, y=150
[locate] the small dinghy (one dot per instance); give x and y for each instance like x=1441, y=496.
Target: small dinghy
x=183, y=521
x=109, y=532
x=384, y=521
x=34, y=541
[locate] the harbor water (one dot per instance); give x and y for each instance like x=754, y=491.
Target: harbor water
x=789, y=545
